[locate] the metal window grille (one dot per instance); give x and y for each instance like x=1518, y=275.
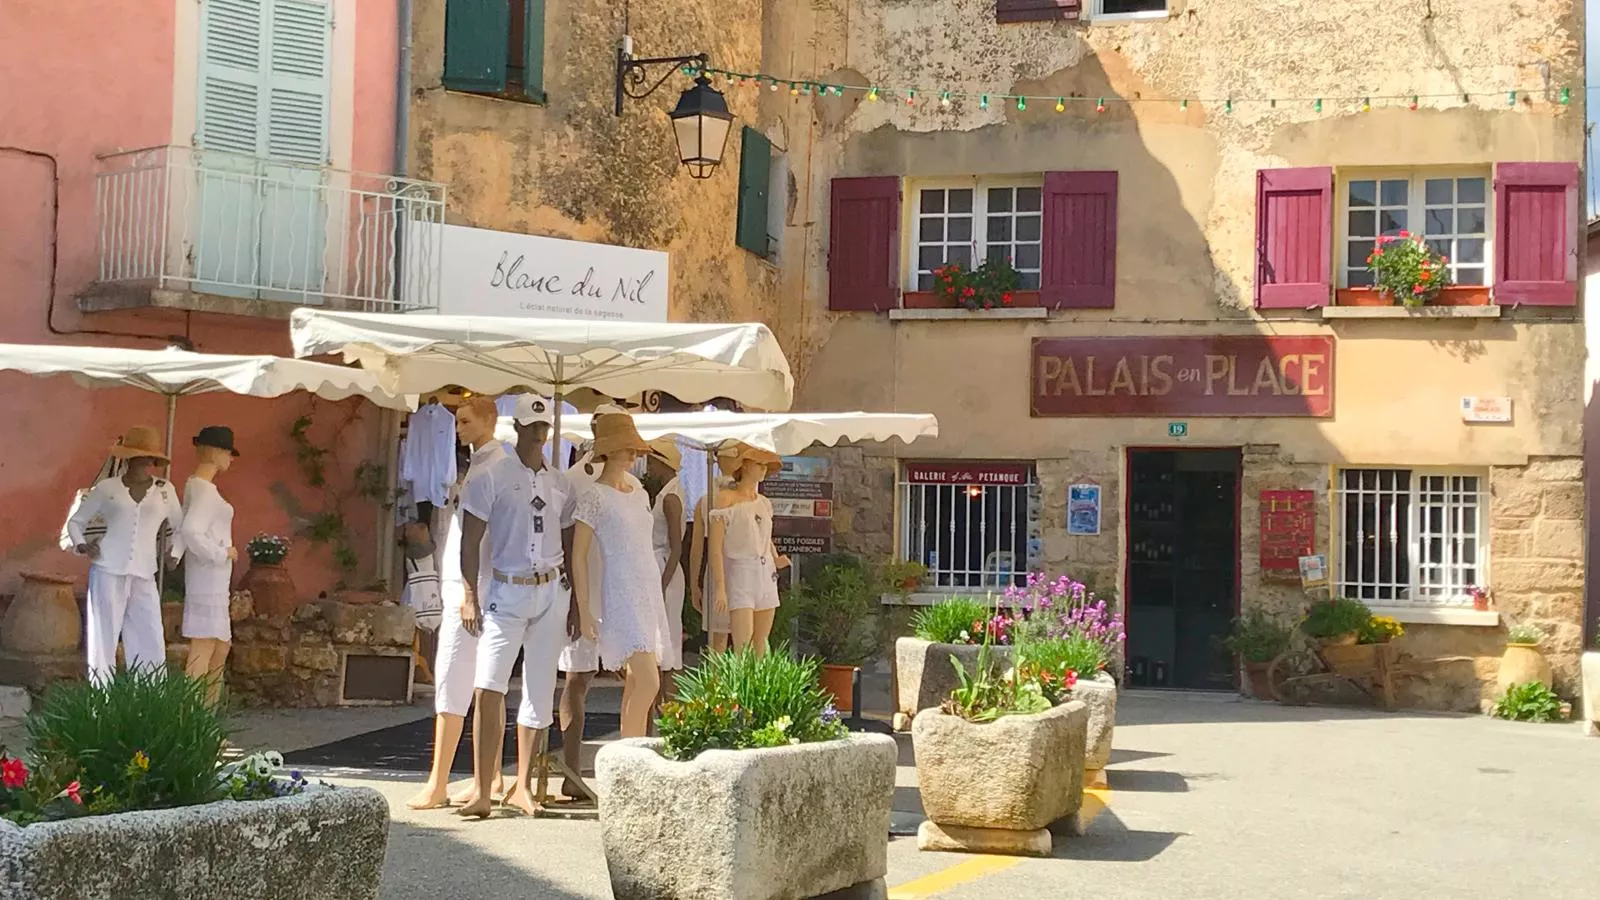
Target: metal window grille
x=1411, y=537
x=972, y=538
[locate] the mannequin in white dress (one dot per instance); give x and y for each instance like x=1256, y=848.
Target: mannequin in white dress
x=666, y=538
x=615, y=515
x=744, y=562
x=208, y=559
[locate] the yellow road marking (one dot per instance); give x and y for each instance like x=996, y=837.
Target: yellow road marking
x=1096, y=796
x=939, y=882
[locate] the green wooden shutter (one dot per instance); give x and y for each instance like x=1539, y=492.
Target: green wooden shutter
x=230, y=105
x=298, y=85
x=533, y=50
x=755, y=168
x=477, y=36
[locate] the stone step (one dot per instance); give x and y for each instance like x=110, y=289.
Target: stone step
x=14, y=702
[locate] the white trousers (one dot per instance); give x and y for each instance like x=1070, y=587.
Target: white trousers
x=531, y=619
x=126, y=607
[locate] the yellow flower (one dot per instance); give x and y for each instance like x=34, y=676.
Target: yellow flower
x=141, y=761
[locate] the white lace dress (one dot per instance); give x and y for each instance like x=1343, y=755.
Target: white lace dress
x=632, y=612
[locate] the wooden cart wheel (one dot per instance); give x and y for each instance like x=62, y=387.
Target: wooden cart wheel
x=1290, y=664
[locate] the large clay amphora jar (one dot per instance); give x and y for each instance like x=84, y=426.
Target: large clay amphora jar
x=44, y=618
x=1521, y=664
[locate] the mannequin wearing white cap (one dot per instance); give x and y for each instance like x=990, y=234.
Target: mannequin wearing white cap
x=744, y=562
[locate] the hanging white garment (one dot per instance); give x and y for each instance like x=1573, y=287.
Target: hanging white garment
x=428, y=457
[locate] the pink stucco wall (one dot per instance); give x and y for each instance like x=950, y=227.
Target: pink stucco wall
x=85, y=79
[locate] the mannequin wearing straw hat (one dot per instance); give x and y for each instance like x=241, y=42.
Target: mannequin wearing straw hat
x=667, y=540
x=208, y=545
x=615, y=515
x=124, y=602
x=744, y=562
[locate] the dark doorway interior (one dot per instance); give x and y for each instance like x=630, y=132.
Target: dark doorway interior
x=1183, y=575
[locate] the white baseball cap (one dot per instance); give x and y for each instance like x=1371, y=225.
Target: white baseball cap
x=532, y=408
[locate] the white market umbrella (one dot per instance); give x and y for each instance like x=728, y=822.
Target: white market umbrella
x=782, y=433
x=415, y=354
x=180, y=373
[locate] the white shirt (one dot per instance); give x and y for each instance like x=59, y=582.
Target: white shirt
x=499, y=490
x=129, y=547
x=428, y=458
x=555, y=500
x=207, y=536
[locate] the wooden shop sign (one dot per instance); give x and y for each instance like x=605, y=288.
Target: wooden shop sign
x=967, y=473
x=1254, y=375
x=1288, y=529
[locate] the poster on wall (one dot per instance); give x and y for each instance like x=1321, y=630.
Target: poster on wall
x=501, y=273
x=1083, y=509
x=802, y=506
x=1288, y=529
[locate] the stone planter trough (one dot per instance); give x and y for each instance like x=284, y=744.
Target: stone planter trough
x=997, y=787
x=320, y=845
x=1591, y=694
x=775, y=824
x=924, y=676
x=1100, y=695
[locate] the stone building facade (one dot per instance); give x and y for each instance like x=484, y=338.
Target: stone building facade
x=1207, y=185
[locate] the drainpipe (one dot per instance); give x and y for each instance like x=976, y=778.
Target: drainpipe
x=388, y=419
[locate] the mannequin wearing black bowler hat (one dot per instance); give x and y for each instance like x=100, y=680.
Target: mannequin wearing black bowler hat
x=209, y=554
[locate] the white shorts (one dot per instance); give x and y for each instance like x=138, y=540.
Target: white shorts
x=751, y=583
x=455, y=663
x=532, y=620
x=715, y=621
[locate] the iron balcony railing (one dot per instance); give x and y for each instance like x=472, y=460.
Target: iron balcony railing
x=240, y=226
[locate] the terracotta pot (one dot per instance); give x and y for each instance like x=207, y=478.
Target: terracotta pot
x=1260, y=684
x=43, y=618
x=271, y=589
x=838, y=681
x=1351, y=660
x=1520, y=664
x=1343, y=640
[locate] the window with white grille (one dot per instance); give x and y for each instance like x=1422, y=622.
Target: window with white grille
x=1449, y=210
x=968, y=522
x=1411, y=537
x=975, y=221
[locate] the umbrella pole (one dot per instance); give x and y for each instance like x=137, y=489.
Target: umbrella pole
x=172, y=418
x=544, y=760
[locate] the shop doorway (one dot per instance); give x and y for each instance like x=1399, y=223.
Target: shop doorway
x=1183, y=566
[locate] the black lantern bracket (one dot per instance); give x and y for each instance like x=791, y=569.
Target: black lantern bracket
x=633, y=73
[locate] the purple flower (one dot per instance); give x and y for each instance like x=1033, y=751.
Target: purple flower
x=294, y=774
x=830, y=714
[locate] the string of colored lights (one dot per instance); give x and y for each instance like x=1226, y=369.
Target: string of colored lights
x=801, y=87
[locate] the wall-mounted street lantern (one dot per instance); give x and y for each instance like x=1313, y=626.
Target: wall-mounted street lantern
x=701, y=120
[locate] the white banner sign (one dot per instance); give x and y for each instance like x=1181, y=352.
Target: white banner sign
x=499, y=273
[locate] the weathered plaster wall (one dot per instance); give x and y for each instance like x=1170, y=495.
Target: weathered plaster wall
x=571, y=169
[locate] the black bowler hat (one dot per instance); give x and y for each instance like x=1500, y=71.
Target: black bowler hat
x=217, y=436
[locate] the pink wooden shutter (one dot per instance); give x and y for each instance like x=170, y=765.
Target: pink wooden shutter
x=1294, y=244
x=1036, y=10
x=1536, y=234
x=1079, y=266
x=864, y=244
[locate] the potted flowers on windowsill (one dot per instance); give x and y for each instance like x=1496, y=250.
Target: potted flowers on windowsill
x=269, y=584
x=1406, y=271
x=751, y=757
x=994, y=284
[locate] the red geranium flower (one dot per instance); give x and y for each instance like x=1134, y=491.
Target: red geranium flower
x=13, y=773
x=73, y=795
x=1006, y=299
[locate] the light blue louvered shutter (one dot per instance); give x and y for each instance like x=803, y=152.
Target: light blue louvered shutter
x=231, y=57
x=297, y=81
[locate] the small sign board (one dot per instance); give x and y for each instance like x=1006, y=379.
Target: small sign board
x=1177, y=429
x=1313, y=570
x=1083, y=509
x=1288, y=528
x=802, y=505
x=1486, y=409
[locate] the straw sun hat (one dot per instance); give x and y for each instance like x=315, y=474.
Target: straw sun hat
x=141, y=442
x=666, y=450
x=614, y=432
x=731, y=459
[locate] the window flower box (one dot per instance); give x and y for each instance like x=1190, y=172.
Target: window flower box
x=1454, y=295
x=933, y=300
x=765, y=824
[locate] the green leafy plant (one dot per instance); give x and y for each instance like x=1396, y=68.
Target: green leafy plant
x=738, y=700
x=1257, y=637
x=330, y=526
x=1524, y=634
x=1528, y=702
x=989, y=695
x=145, y=738
x=953, y=620
x=901, y=577
x=267, y=549
x=992, y=284
x=1406, y=269
x=833, y=607
x=1335, y=618
x=1055, y=664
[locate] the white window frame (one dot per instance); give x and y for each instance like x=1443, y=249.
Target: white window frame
x=1416, y=206
x=1413, y=598
x=909, y=544
x=911, y=218
x=1096, y=15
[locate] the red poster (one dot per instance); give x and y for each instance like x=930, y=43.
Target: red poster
x=1183, y=376
x=1288, y=528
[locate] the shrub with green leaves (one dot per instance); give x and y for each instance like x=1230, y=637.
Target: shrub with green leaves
x=990, y=695
x=954, y=620
x=739, y=701
x=1528, y=702
x=1073, y=653
x=1257, y=637
x=1524, y=634
x=146, y=738
x=1335, y=618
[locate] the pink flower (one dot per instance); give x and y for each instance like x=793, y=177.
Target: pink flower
x=73, y=795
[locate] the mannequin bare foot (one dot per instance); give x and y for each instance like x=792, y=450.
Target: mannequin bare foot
x=521, y=798
x=429, y=797
x=471, y=793
x=480, y=808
